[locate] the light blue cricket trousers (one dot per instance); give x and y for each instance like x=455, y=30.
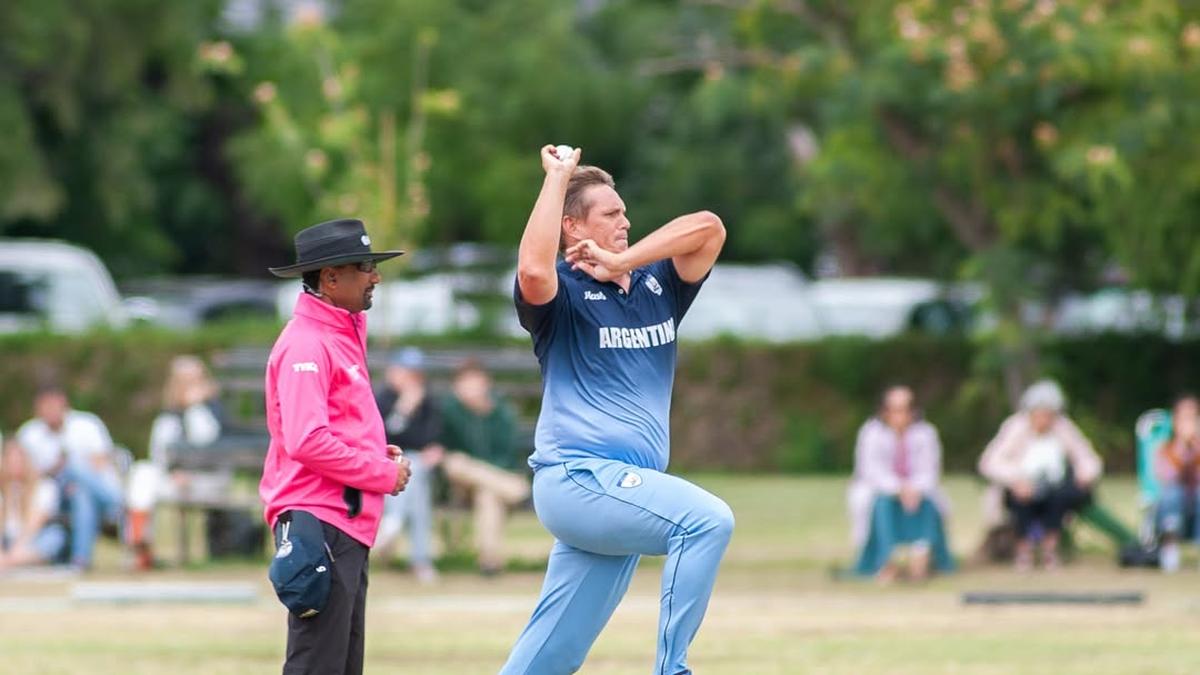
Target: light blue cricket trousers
x=605, y=515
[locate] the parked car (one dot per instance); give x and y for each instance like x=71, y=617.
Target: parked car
x=881, y=307
x=778, y=303
x=186, y=303
x=52, y=285
x=1118, y=310
x=422, y=306
x=765, y=302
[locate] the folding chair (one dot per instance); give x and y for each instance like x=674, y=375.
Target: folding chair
x=1152, y=428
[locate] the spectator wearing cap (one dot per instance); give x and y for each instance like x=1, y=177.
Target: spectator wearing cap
x=1046, y=469
x=413, y=421
x=480, y=432
x=895, y=498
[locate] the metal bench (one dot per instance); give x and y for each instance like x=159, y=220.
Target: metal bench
x=240, y=372
x=211, y=471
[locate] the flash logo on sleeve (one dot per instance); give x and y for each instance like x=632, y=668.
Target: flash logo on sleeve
x=305, y=367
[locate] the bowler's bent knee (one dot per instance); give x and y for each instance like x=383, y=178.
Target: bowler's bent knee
x=720, y=521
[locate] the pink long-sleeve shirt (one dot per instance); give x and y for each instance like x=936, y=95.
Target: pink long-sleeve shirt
x=875, y=470
x=326, y=431
x=875, y=457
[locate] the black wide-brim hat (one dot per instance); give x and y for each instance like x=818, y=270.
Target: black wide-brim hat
x=332, y=243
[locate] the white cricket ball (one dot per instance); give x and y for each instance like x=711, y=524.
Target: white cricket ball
x=564, y=152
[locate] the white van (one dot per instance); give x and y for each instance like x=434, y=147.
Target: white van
x=52, y=285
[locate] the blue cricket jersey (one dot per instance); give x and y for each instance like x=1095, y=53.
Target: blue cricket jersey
x=608, y=365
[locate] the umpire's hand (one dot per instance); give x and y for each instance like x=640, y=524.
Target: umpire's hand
x=405, y=471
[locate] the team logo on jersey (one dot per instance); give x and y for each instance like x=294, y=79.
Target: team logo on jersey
x=594, y=295
x=629, y=480
x=653, y=285
x=306, y=367
x=354, y=372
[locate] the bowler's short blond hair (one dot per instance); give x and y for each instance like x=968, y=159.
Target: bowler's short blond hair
x=584, y=177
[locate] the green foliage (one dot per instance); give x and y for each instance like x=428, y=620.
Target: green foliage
x=799, y=407
x=736, y=405
x=1064, y=130
x=98, y=101
x=1027, y=144
x=164, y=139
x=119, y=376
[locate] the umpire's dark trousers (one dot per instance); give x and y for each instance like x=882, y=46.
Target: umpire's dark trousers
x=331, y=643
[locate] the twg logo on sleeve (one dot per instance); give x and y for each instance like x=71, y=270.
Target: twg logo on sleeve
x=304, y=367
x=354, y=372
x=653, y=284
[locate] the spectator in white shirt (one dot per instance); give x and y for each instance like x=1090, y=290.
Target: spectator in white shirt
x=191, y=416
x=75, y=449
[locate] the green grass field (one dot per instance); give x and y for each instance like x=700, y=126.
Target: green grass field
x=776, y=610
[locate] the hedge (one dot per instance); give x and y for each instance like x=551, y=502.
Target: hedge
x=737, y=406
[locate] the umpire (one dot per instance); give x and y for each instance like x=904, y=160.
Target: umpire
x=329, y=465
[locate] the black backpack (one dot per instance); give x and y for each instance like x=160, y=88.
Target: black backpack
x=234, y=534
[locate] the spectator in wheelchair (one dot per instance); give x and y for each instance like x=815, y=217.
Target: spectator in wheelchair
x=1177, y=470
x=412, y=421
x=1046, y=468
x=483, y=458
x=34, y=531
x=74, y=448
x=895, y=498
x=191, y=416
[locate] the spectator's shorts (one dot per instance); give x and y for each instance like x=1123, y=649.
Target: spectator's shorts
x=50, y=542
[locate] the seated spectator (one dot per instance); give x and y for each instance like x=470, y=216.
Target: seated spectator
x=33, y=532
x=1046, y=468
x=191, y=415
x=894, y=497
x=413, y=422
x=1177, y=469
x=480, y=430
x=75, y=449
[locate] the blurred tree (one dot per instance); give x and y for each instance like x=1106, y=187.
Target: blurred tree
x=485, y=100
x=102, y=104
x=1040, y=141
x=342, y=117
x=425, y=112
x=1034, y=145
